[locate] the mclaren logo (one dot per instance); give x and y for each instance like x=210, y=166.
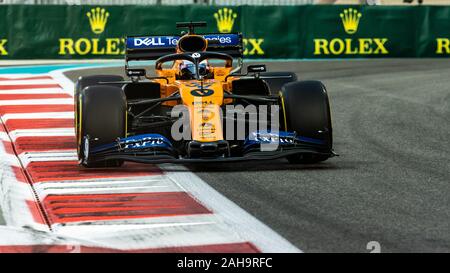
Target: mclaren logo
x=225, y=19
x=3, y=50
x=350, y=19
x=97, y=19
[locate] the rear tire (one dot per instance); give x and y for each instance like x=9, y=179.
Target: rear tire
x=276, y=84
x=102, y=112
x=306, y=110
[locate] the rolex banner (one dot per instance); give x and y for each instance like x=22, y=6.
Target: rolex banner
x=69, y=32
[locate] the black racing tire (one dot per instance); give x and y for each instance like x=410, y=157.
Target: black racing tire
x=102, y=111
x=275, y=84
x=83, y=82
x=306, y=110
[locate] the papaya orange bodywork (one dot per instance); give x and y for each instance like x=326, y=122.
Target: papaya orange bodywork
x=203, y=98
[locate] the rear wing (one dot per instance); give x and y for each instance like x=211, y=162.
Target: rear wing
x=153, y=47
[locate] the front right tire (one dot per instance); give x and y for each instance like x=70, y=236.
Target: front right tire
x=306, y=110
x=102, y=120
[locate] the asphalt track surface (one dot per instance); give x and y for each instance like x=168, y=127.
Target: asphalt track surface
x=390, y=183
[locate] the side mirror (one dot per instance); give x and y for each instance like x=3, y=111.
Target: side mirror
x=256, y=68
x=136, y=72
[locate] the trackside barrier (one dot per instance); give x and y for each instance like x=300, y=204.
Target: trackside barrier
x=74, y=32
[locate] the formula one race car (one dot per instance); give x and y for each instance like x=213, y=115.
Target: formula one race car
x=198, y=107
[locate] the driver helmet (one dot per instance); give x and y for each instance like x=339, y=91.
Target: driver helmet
x=187, y=69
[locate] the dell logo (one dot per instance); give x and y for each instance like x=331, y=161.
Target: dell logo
x=148, y=41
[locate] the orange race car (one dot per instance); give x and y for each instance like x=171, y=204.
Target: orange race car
x=198, y=107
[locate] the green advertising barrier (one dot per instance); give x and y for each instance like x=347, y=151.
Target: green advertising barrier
x=53, y=32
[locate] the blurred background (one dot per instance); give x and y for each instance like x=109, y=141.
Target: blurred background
x=226, y=2
x=276, y=29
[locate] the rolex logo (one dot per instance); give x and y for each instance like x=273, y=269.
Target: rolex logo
x=350, y=19
x=225, y=19
x=97, y=19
